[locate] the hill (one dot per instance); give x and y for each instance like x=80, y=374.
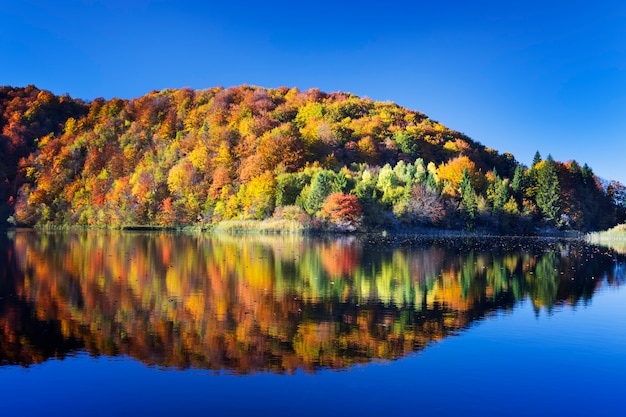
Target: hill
x=181, y=157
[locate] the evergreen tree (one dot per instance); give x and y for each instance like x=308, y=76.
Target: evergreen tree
x=340, y=183
x=574, y=167
x=518, y=180
x=548, y=191
x=501, y=196
x=321, y=187
x=587, y=173
x=431, y=182
x=536, y=159
x=420, y=171
x=469, y=205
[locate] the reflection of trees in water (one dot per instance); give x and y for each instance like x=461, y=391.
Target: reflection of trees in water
x=270, y=303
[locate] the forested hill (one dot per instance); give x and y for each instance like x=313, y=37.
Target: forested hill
x=183, y=157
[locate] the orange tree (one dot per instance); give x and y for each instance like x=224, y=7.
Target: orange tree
x=342, y=212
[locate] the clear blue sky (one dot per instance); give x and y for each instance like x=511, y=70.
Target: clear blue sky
x=517, y=76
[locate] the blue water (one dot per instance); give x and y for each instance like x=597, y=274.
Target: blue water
x=298, y=327
x=571, y=362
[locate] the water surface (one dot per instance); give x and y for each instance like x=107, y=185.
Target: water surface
x=131, y=323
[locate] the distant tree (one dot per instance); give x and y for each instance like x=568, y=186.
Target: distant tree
x=574, y=168
x=617, y=192
x=536, y=159
x=389, y=185
x=587, y=174
x=406, y=143
x=511, y=208
x=431, y=181
x=281, y=146
x=257, y=197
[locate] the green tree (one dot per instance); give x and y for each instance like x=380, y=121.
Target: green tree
x=536, y=159
x=501, y=195
x=548, y=197
x=469, y=205
x=420, y=171
x=340, y=183
x=289, y=186
x=321, y=187
x=517, y=185
x=431, y=181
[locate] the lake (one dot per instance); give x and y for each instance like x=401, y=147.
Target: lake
x=154, y=323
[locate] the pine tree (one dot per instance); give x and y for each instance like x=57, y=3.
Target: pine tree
x=469, y=205
x=518, y=180
x=536, y=159
x=502, y=196
x=431, y=182
x=321, y=187
x=340, y=183
x=548, y=190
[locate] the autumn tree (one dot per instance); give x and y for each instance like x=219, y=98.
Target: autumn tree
x=289, y=186
x=342, y=212
x=257, y=197
x=453, y=171
x=281, y=146
x=211, y=153
x=423, y=206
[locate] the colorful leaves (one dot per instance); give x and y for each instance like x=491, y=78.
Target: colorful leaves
x=211, y=152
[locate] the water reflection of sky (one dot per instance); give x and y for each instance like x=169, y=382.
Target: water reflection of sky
x=516, y=363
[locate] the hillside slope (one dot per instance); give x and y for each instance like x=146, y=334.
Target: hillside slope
x=180, y=157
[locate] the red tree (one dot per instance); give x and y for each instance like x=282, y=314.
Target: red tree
x=342, y=212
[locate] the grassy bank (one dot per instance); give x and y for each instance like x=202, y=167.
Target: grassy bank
x=614, y=238
x=270, y=226
x=616, y=233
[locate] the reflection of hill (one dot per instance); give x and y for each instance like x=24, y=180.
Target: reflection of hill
x=266, y=303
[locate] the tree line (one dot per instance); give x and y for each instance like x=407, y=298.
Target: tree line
x=331, y=161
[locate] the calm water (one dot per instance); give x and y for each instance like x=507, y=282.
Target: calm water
x=104, y=324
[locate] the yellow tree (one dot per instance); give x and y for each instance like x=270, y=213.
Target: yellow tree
x=451, y=174
x=257, y=197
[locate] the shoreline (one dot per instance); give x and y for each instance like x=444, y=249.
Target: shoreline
x=256, y=227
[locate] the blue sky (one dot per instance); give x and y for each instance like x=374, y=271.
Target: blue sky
x=517, y=76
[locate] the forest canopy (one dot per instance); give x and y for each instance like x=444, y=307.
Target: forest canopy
x=328, y=160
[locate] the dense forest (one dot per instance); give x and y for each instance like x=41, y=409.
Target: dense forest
x=329, y=161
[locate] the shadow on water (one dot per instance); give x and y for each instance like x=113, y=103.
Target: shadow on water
x=279, y=304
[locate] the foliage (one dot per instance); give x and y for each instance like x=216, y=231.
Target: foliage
x=424, y=207
x=185, y=157
x=342, y=212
